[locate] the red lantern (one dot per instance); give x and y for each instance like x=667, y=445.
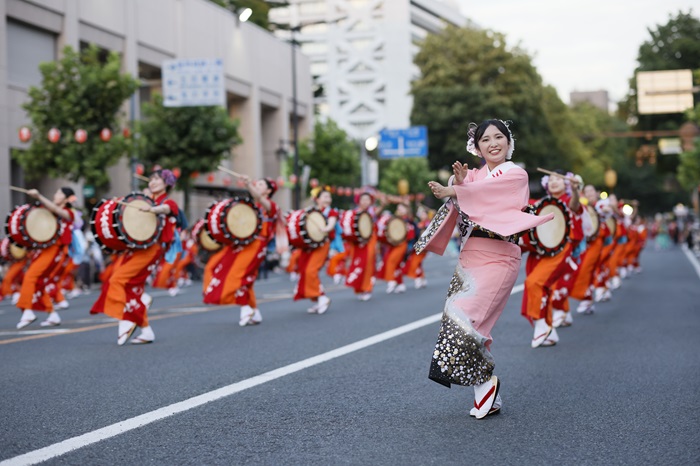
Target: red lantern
x=240, y=183
x=24, y=134
x=194, y=175
x=105, y=134
x=126, y=132
x=176, y=172
x=280, y=181
x=420, y=196
x=293, y=179
x=211, y=178
x=227, y=180
x=139, y=169
x=313, y=182
x=54, y=135
x=80, y=136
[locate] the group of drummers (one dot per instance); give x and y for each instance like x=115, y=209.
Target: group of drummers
x=583, y=253
x=144, y=237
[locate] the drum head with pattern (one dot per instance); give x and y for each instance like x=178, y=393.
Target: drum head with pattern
x=139, y=225
x=41, y=224
x=242, y=220
x=395, y=231
x=364, y=225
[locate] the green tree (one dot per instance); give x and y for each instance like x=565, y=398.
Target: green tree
x=670, y=46
x=469, y=75
x=689, y=166
x=79, y=91
x=194, y=139
x=334, y=159
x=415, y=170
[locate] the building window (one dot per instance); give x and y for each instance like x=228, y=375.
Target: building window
x=27, y=47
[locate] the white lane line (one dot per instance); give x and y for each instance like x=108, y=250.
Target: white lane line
x=75, y=443
x=35, y=332
x=691, y=257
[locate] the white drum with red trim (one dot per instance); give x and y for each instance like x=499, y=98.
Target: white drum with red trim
x=32, y=226
x=356, y=226
x=236, y=221
x=120, y=224
x=305, y=228
x=550, y=238
x=391, y=230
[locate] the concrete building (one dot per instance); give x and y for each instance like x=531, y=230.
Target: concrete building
x=598, y=99
x=361, y=54
x=257, y=74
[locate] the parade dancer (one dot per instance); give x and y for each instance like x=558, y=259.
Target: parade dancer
x=311, y=261
x=543, y=271
x=360, y=275
x=414, y=263
x=488, y=203
x=234, y=275
x=44, y=263
x=123, y=296
x=391, y=265
x=583, y=285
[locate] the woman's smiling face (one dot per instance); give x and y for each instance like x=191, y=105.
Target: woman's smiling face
x=493, y=146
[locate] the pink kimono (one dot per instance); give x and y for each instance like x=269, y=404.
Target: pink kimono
x=488, y=209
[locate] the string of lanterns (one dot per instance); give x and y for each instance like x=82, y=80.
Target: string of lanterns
x=80, y=135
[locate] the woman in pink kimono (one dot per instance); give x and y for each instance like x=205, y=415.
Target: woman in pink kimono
x=487, y=204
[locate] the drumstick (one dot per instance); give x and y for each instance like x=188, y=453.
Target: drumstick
x=126, y=204
x=555, y=174
x=230, y=172
x=141, y=177
x=21, y=190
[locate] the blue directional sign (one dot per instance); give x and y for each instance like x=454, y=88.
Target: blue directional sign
x=399, y=143
x=193, y=82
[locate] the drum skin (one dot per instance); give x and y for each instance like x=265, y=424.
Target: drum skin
x=304, y=228
x=356, y=226
x=10, y=251
x=595, y=220
x=612, y=225
x=236, y=221
x=550, y=238
x=203, y=238
x=117, y=227
x=32, y=226
x=391, y=230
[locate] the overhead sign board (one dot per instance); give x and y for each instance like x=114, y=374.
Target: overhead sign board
x=399, y=143
x=661, y=92
x=193, y=82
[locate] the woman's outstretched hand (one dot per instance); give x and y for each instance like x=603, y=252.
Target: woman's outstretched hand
x=460, y=171
x=440, y=191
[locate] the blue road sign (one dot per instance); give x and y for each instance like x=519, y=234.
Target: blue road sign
x=399, y=143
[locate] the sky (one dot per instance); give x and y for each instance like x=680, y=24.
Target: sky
x=578, y=45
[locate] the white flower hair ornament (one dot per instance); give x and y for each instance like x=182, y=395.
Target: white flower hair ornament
x=471, y=145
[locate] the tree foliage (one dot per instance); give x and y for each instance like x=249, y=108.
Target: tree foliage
x=79, y=91
x=334, y=159
x=469, y=75
x=194, y=139
x=689, y=166
x=415, y=170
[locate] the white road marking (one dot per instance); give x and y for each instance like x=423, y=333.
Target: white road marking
x=693, y=260
x=75, y=443
x=35, y=332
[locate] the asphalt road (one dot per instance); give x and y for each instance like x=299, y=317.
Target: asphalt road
x=621, y=387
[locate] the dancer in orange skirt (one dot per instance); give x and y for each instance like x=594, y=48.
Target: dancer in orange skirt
x=543, y=271
x=414, y=264
x=123, y=296
x=44, y=263
x=234, y=275
x=360, y=275
x=391, y=265
x=12, y=281
x=583, y=284
x=311, y=260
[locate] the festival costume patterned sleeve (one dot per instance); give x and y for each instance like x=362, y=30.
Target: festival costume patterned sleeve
x=486, y=271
